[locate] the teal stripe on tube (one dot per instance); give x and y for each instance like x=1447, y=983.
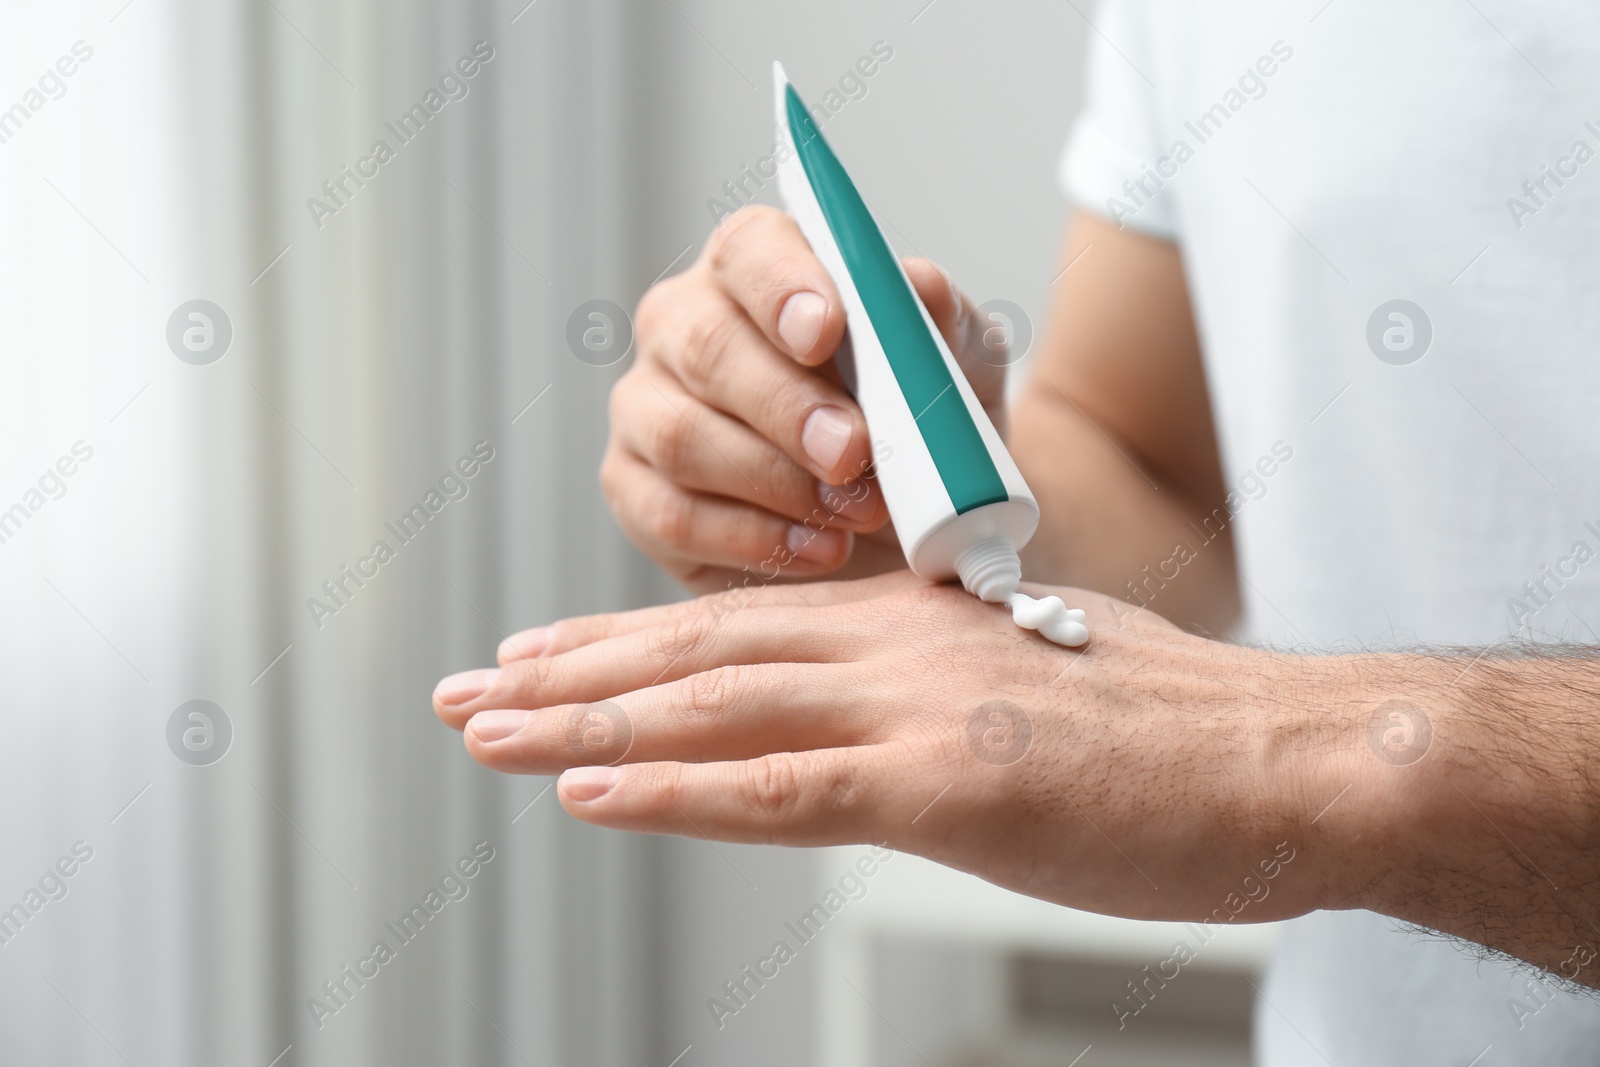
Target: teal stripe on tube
x=958, y=451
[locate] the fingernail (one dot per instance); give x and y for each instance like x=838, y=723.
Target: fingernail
x=815, y=546
x=468, y=685
x=491, y=726
x=800, y=321
x=858, y=508
x=826, y=435
x=525, y=645
x=588, y=783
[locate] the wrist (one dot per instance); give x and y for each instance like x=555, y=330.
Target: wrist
x=1355, y=744
x=1440, y=789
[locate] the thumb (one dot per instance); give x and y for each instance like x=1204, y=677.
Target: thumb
x=978, y=344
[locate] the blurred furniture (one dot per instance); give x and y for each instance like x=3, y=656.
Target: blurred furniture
x=912, y=903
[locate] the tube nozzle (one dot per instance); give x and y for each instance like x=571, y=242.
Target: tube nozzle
x=990, y=569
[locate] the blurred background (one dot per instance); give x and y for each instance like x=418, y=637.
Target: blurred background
x=244, y=345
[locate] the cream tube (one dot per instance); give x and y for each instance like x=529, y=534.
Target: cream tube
x=959, y=504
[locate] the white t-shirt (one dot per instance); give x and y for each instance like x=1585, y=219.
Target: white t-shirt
x=1389, y=214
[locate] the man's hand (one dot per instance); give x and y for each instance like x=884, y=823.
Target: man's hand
x=1155, y=774
x=1141, y=776
x=732, y=427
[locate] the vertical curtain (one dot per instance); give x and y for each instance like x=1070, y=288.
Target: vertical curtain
x=385, y=336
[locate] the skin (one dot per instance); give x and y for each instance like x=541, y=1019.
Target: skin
x=1157, y=773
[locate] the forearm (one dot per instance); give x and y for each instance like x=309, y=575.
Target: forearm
x=1110, y=523
x=1460, y=794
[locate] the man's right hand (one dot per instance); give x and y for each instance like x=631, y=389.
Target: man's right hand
x=731, y=428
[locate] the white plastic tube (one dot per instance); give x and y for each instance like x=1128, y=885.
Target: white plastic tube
x=958, y=502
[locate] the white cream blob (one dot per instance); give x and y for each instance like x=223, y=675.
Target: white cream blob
x=990, y=570
x=1051, y=617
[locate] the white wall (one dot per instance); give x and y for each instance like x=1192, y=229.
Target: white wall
x=376, y=350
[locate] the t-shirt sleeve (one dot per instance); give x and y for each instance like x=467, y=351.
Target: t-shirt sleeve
x=1118, y=134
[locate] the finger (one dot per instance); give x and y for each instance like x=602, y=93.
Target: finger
x=821, y=797
x=702, y=449
x=761, y=259
x=975, y=341
x=660, y=516
x=726, y=361
x=727, y=713
x=729, y=632
x=568, y=634
x=945, y=304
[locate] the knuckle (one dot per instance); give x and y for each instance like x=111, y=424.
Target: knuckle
x=673, y=521
x=669, y=520
x=669, y=439
x=789, y=401
x=668, y=784
x=567, y=634
x=655, y=310
x=710, y=694
x=793, y=489
x=675, y=638
x=777, y=283
x=710, y=335
x=726, y=238
x=773, y=784
x=795, y=787
x=837, y=791
x=760, y=539
x=531, y=678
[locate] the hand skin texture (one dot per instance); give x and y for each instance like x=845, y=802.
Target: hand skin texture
x=1148, y=775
